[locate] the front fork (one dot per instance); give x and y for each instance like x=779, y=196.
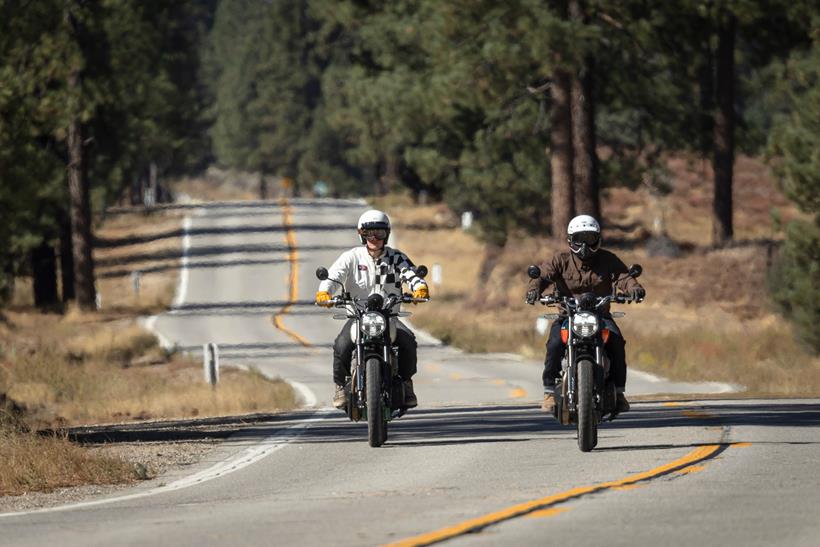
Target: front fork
x=360, y=376
x=571, y=377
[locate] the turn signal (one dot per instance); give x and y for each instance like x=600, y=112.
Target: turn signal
x=564, y=335
x=605, y=335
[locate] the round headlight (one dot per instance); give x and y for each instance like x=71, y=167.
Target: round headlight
x=373, y=324
x=584, y=324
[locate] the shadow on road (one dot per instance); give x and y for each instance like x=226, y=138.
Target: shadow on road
x=105, y=243
x=123, y=272
x=447, y=425
x=211, y=250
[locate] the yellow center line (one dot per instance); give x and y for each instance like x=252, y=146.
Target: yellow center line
x=691, y=469
x=698, y=455
x=547, y=512
x=518, y=393
x=293, y=275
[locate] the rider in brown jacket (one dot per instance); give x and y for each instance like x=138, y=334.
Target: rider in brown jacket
x=587, y=268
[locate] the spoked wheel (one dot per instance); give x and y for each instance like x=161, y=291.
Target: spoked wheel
x=587, y=424
x=376, y=424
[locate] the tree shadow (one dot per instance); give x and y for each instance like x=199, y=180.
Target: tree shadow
x=211, y=250
x=108, y=243
x=450, y=426
x=176, y=265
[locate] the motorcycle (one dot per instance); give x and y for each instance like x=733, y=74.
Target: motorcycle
x=375, y=391
x=585, y=394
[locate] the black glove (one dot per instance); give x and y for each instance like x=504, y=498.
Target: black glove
x=637, y=293
x=532, y=296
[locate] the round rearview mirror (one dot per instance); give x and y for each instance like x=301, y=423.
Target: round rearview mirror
x=534, y=272
x=635, y=270
x=421, y=271
x=321, y=273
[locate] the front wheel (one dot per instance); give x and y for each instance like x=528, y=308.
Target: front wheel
x=587, y=423
x=376, y=425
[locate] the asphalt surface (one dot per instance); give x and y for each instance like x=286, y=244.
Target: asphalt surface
x=475, y=463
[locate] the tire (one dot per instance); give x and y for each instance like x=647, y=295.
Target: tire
x=587, y=424
x=376, y=426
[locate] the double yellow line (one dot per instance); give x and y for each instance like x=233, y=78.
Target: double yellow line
x=473, y=525
x=293, y=274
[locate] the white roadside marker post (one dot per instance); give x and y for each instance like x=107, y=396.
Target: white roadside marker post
x=435, y=274
x=541, y=325
x=135, y=282
x=210, y=363
x=466, y=220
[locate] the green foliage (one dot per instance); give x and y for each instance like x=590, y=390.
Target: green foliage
x=795, y=278
x=138, y=99
x=794, y=147
x=795, y=141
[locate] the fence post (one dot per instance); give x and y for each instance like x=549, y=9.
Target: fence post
x=210, y=363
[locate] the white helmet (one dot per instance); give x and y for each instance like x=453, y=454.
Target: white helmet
x=584, y=236
x=374, y=220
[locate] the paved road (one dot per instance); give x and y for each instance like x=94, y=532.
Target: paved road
x=475, y=464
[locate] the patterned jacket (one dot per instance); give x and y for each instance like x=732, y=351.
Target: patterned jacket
x=362, y=275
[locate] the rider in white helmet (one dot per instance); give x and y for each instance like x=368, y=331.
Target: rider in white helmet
x=585, y=268
x=369, y=268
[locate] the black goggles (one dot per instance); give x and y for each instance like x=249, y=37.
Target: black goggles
x=590, y=239
x=374, y=233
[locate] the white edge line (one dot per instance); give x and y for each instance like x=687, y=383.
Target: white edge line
x=249, y=456
x=182, y=286
x=306, y=394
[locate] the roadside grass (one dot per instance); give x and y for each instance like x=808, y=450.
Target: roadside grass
x=68, y=371
x=707, y=317
x=34, y=463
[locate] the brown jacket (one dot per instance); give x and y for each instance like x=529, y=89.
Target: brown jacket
x=571, y=275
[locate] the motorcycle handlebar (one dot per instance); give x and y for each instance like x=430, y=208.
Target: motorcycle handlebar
x=341, y=302
x=571, y=301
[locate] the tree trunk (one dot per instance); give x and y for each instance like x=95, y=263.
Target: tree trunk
x=585, y=160
x=561, y=157
x=80, y=220
x=724, y=133
x=6, y=281
x=44, y=272
x=492, y=254
x=66, y=258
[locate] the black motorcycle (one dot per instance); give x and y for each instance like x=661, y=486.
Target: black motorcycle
x=585, y=395
x=375, y=390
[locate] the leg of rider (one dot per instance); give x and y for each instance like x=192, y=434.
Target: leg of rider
x=615, y=349
x=617, y=355
x=555, y=351
x=406, y=341
x=342, y=355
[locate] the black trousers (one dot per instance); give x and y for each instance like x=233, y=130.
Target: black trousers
x=614, y=350
x=344, y=346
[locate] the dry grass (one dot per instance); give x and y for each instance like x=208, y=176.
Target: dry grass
x=74, y=370
x=708, y=316
x=91, y=368
x=36, y=463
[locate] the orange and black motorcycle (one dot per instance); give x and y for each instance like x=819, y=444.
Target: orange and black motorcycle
x=585, y=394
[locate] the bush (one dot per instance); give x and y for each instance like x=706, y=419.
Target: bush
x=795, y=277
